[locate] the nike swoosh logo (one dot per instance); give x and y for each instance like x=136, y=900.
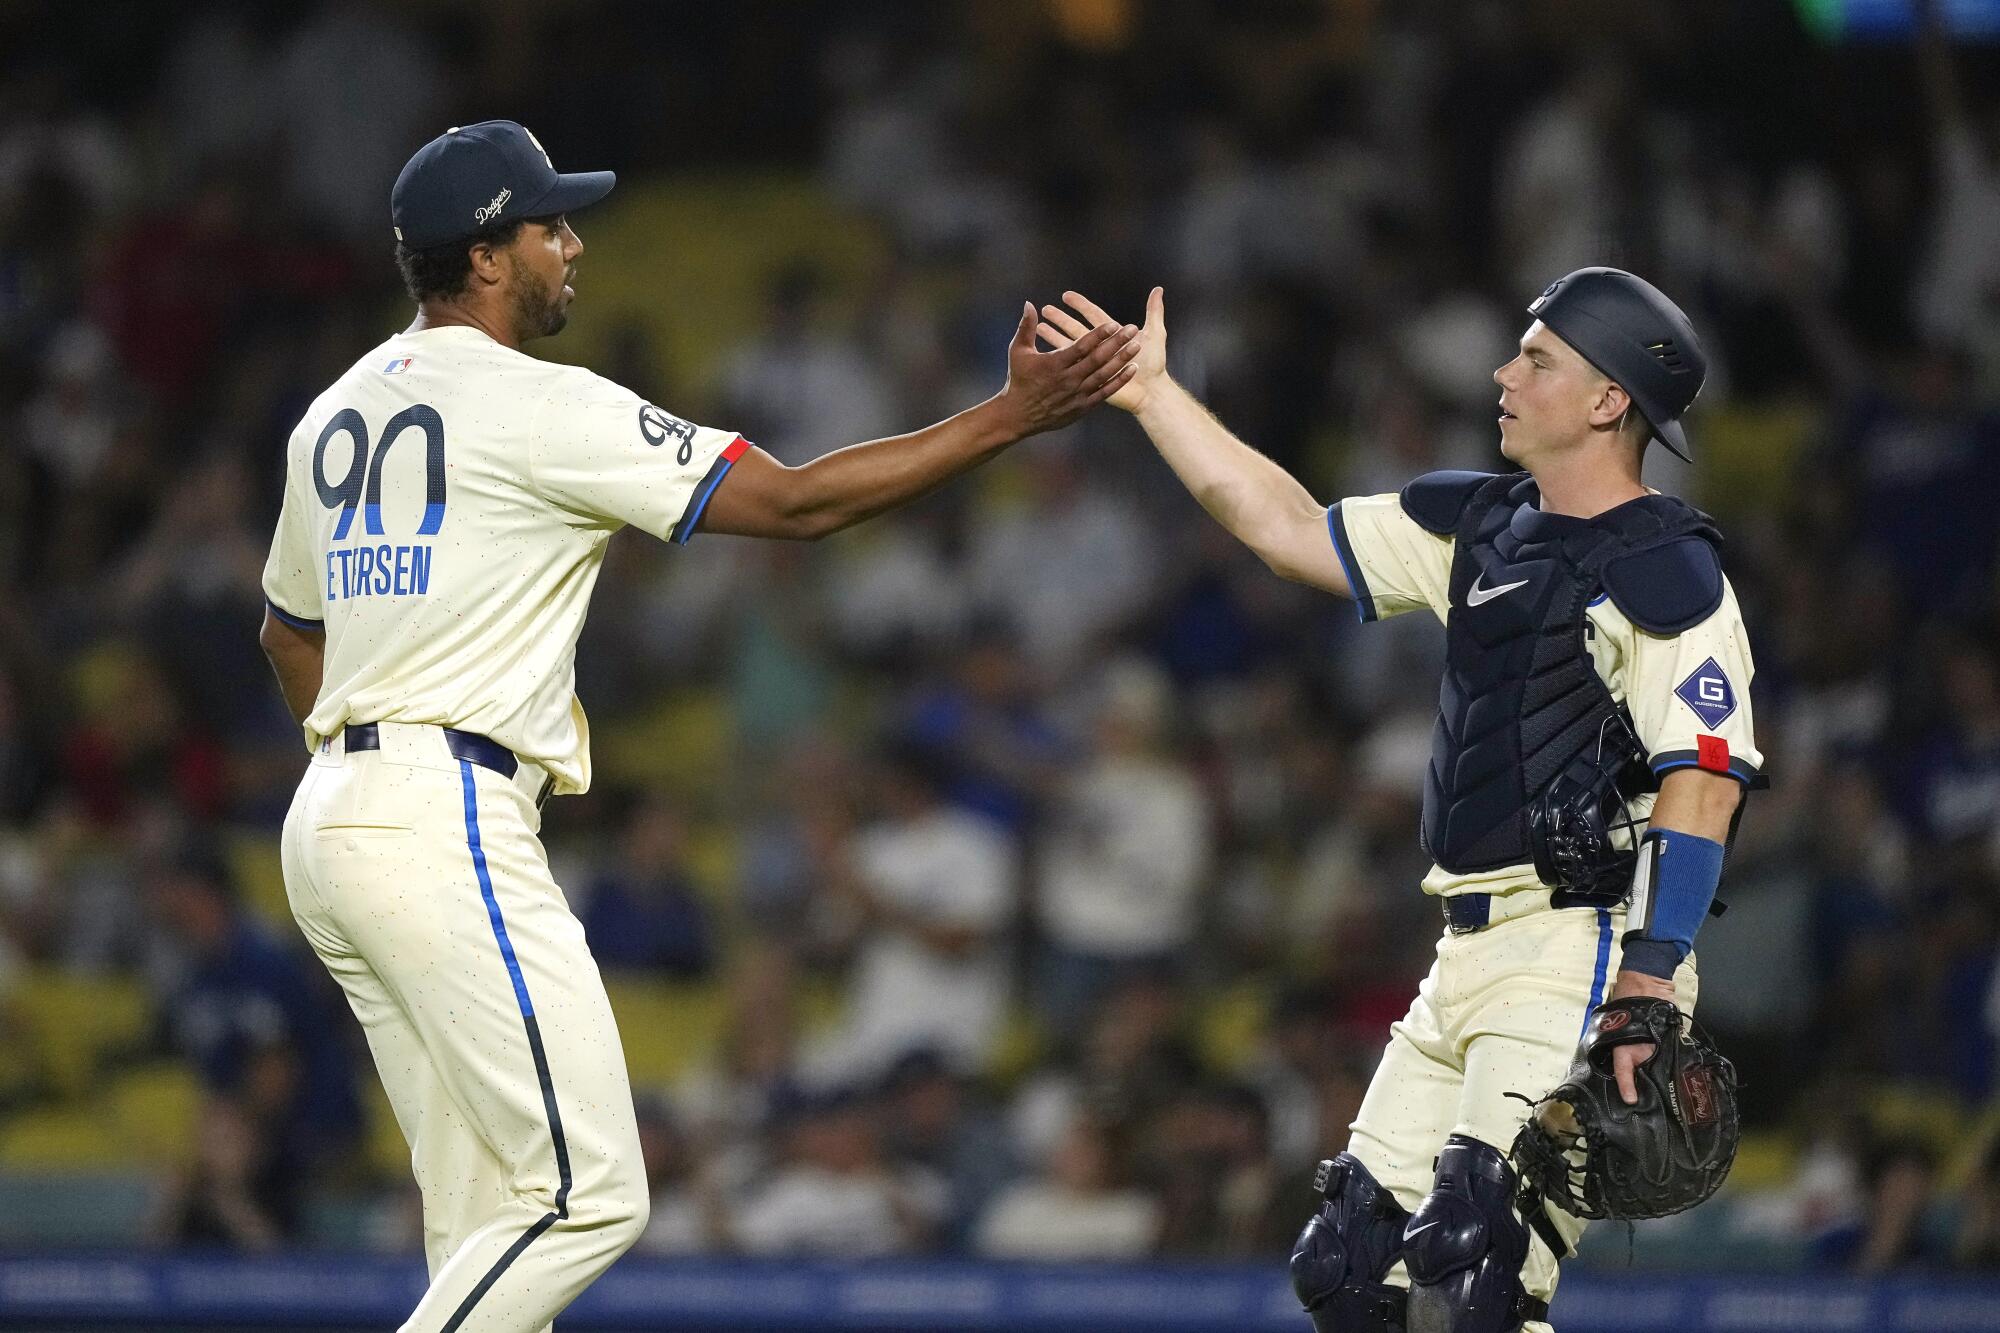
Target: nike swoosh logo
x=1478, y=596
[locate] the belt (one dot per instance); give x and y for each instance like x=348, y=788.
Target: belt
x=1467, y=912
x=1463, y=912
x=462, y=744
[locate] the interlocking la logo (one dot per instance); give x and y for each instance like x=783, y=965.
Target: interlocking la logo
x=538, y=146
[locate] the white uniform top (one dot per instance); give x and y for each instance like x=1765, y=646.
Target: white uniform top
x=1688, y=693
x=447, y=505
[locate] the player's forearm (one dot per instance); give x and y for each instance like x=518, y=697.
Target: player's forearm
x=298, y=657
x=1242, y=489
x=1681, y=865
x=850, y=485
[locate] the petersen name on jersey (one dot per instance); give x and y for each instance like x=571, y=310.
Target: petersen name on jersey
x=447, y=505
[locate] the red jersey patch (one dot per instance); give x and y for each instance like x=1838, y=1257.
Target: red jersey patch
x=1712, y=753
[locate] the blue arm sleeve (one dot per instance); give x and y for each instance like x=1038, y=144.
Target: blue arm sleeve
x=1673, y=887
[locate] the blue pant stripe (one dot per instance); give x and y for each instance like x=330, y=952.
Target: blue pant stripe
x=535, y=1048
x=1603, y=962
x=486, y=888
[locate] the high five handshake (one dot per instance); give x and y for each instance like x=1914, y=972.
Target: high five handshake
x=1264, y=506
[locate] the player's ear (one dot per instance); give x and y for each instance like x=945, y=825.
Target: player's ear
x=1612, y=407
x=488, y=265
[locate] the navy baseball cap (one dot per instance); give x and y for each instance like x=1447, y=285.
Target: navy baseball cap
x=473, y=176
x=1640, y=340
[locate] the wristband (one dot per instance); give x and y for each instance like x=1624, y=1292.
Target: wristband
x=1673, y=887
x=1653, y=958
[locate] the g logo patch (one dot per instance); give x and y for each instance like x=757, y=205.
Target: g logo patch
x=659, y=426
x=1708, y=694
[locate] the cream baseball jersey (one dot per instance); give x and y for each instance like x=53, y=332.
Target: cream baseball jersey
x=447, y=505
x=1688, y=693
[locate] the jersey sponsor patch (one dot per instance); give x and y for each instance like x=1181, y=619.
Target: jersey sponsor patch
x=398, y=366
x=1708, y=693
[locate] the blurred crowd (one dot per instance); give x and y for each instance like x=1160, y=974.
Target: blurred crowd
x=1052, y=863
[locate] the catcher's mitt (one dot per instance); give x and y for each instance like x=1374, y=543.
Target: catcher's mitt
x=1593, y=1156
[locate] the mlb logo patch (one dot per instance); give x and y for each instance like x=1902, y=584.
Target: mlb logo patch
x=398, y=366
x=1707, y=691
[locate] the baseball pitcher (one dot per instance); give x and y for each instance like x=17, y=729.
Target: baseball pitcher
x=447, y=505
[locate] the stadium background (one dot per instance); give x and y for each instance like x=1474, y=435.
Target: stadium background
x=1174, y=795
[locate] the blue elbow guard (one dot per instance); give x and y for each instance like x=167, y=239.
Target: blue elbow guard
x=1673, y=887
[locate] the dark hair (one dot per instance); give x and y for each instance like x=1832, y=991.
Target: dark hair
x=442, y=271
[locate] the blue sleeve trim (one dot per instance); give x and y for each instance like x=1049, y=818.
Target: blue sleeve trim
x=691, y=520
x=1669, y=760
x=1343, y=548
x=296, y=622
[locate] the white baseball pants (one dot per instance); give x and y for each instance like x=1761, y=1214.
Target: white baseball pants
x=420, y=882
x=1501, y=1011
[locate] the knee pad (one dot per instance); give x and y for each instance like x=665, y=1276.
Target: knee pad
x=1464, y=1247
x=1347, y=1249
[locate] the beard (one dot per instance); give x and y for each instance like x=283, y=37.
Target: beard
x=537, y=312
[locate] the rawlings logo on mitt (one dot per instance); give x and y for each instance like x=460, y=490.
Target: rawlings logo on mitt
x=1593, y=1156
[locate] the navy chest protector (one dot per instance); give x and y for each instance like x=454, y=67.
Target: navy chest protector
x=1532, y=758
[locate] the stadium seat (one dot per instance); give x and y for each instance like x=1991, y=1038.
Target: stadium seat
x=1763, y=1161
x=1231, y=1024
x=70, y=1135
x=153, y=1111
x=1022, y=1045
x=71, y=1024
x=258, y=868
x=383, y=1147
x=1928, y=1114
x=714, y=860
x=667, y=1027
x=678, y=744
x=659, y=255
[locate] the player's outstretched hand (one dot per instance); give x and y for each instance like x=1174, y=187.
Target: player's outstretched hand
x=1046, y=390
x=1061, y=328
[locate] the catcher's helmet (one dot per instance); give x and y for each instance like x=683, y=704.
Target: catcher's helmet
x=1627, y=328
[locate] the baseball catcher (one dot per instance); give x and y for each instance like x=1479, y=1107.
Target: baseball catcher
x=1592, y=745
